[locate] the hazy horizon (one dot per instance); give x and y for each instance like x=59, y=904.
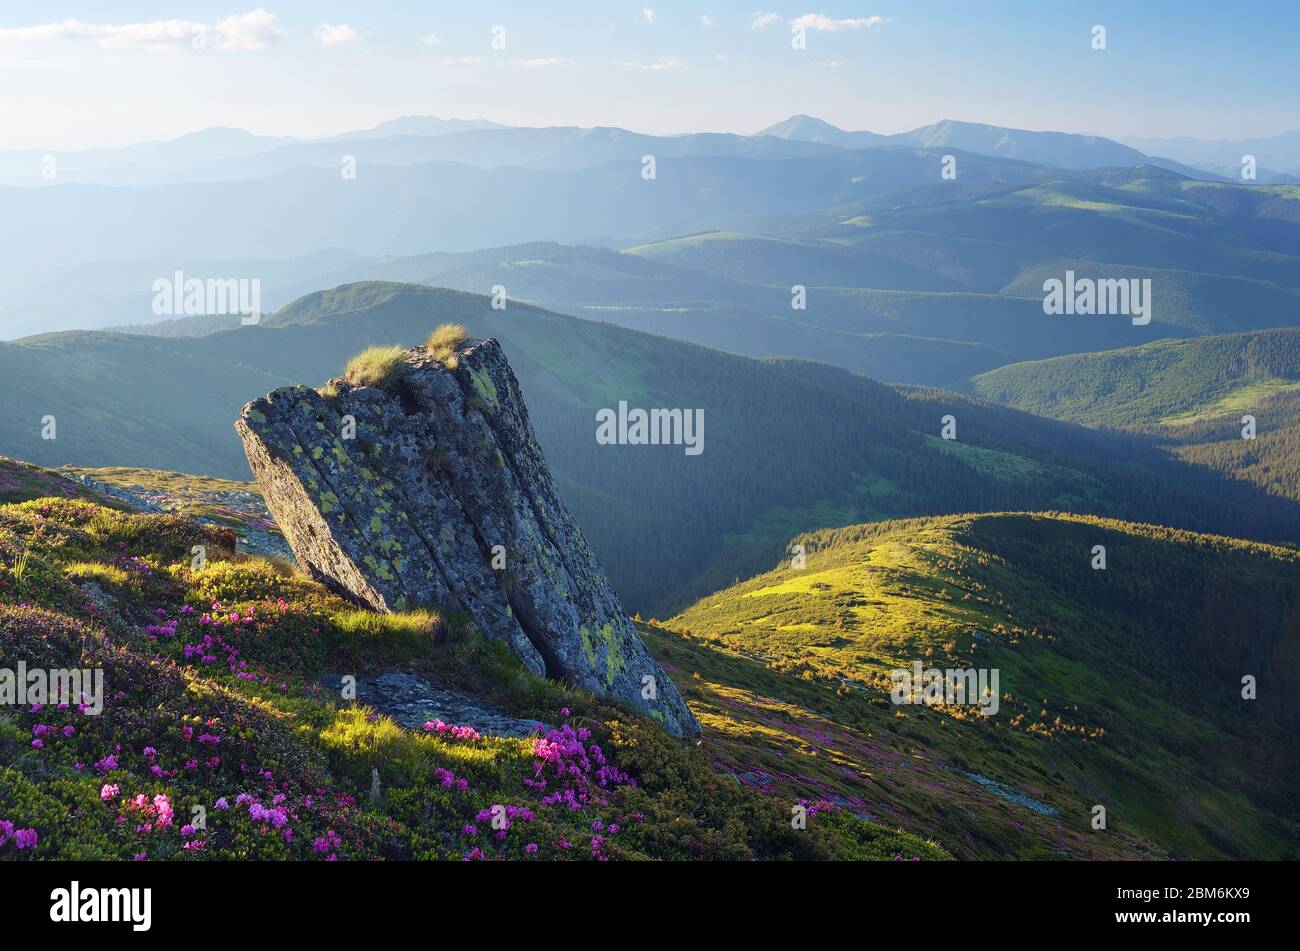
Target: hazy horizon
x=76, y=145
x=311, y=71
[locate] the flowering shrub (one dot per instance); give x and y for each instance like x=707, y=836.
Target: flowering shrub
x=578, y=771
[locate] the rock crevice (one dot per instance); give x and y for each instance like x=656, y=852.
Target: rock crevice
x=397, y=495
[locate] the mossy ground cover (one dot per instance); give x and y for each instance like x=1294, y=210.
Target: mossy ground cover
x=213, y=709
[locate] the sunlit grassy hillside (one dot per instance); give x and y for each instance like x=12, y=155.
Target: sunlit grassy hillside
x=1119, y=687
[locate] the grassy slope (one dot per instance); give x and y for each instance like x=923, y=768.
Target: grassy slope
x=22, y=482
x=241, y=724
x=1148, y=386
x=1100, y=703
x=1120, y=687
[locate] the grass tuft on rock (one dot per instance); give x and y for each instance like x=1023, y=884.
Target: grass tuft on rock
x=444, y=343
x=376, y=366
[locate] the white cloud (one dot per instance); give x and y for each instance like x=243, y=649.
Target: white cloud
x=648, y=14
x=255, y=31
x=829, y=63
x=707, y=20
x=463, y=60
x=431, y=39
x=824, y=24
x=327, y=34
x=663, y=62
x=759, y=21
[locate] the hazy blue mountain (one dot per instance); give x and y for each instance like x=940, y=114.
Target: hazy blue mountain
x=233, y=155
x=443, y=206
x=1279, y=152
x=811, y=129
x=223, y=154
x=640, y=292
x=1060, y=149
x=549, y=148
x=908, y=278
x=419, y=125
x=143, y=163
x=1066, y=150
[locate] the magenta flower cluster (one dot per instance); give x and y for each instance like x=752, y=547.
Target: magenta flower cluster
x=327, y=845
x=577, y=767
x=22, y=838
x=155, y=813
x=467, y=733
x=450, y=780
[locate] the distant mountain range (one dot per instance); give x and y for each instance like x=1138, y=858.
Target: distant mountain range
x=223, y=154
x=1275, y=155
x=904, y=287
x=868, y=219
x=865, y=340
x=1060, y=149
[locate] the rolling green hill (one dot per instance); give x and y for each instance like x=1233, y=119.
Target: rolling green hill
x=1169, y=382
x=957, y=264
x=785, y=261
x=789, y=445
x=1120, y=688
x=1189, y=396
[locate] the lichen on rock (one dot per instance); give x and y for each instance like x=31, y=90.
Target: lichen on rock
x=443, y=468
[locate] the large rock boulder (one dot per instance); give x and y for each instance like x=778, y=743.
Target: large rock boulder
x=430, y=490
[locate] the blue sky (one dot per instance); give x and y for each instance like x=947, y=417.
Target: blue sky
x=89, y=73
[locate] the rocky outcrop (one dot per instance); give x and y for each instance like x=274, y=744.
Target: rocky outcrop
x=413, y=701
x=430, y=490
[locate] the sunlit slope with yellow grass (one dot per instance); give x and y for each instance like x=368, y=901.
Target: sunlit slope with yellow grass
x=1118, y=687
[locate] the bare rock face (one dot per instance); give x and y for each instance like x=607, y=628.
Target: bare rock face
x=430, y=490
